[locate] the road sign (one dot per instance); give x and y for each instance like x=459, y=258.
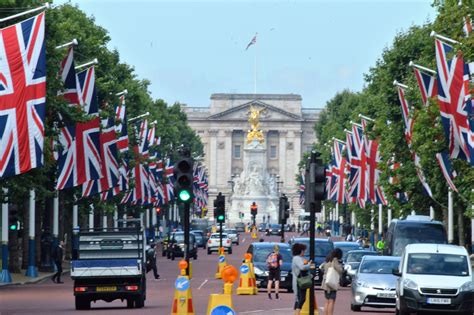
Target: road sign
x=221, y=258
x=222, y=310
x=181, y=284
x=244, y=269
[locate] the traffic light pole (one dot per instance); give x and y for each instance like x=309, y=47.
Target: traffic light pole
x=220, y=235
x=282, y=240
x=310, y=205
x=186, y=235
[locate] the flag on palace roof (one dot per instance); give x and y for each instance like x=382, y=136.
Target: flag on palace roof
x=22, y=96
x=252, y=42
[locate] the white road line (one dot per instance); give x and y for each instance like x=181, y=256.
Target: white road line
x=202, y=284
x=243, y=241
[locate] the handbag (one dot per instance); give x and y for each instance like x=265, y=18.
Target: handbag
x=304, y=281
x=332, y=279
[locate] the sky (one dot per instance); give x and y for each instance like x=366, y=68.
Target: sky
x=192, y=49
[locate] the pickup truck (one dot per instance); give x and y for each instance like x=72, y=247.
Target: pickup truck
x=110, y=265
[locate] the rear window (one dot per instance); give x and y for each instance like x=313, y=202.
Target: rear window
x=261, y=254
x=214, y=236
x=357, y=257
x=437, y=264
x=322, y=249
x=346, y=248
x=414, y=233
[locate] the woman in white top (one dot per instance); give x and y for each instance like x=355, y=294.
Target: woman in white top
x=298, y=265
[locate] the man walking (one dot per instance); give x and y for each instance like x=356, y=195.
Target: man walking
x=58, y=254
x=274, y=262
x=151, y=260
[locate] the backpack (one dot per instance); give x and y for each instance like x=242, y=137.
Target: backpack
x=272, y=261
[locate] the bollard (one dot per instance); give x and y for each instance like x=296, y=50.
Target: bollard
x=247, y=282
x=222, y=303
x=183, y=301
x=221, y=264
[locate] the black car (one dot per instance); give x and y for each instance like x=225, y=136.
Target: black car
x=200, y=238
x=260, y=252
x=176, y=246
x=322, y=248
x=262, y=227
x=352, y=262
x=274, y=229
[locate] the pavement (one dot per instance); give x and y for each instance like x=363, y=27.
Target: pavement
x=46, y=297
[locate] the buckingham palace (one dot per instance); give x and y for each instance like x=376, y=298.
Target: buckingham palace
x=287, y=131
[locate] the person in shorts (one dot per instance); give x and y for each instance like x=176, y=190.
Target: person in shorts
x=332, y=260
x=274, y=262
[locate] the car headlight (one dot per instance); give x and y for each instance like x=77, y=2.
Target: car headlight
x=410, y=284
x=258, y=271
x=467, y=287
x=362, y=284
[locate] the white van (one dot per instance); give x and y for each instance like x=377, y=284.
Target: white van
x=434, y=278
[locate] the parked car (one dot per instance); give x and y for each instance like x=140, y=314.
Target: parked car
x=274, y=229
x=213, y=243
x=374, y=284
x=346, y=247
x=434, y=278
x=354, y=257
x=240, y=227
x=200, y=238
x=414, y=229
x=176, y=246
x=260, y=252
x=322, y=248
x=233, y=235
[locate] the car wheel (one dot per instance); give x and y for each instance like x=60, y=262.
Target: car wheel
x=355, y=308
x=172, y=256
x=82, y=303
x=290, y=290
x=237, y=243
x=140, y=302
x=402, y=310
x=195, y=256
x=130, y=303
x=230, y=251
x=209, y=251
x=168, y=254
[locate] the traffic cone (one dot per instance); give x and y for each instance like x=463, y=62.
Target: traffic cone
x=183, y=301
x=305, y=308
x=222, y=303
x=221, y=264
x=254, y=233
x=247, y=283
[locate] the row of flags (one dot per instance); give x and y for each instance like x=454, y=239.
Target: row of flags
x=94, y=153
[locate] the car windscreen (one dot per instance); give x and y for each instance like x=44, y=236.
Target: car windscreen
x=322, y=249
x=276, y=226
x=261, y=254
x=378, y=266
x=346, y=248
x=179, y=238
x=413, y=233
x=357, y=256
x=437, y=264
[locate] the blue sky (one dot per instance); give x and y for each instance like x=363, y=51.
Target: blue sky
x=191, y=49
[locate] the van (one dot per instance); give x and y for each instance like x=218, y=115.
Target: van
x=434, y=278
x=413, y=230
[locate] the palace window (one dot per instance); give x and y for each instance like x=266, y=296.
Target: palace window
x=273, y=152
x=237, y=151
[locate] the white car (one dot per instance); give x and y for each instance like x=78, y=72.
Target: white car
x=214, y=242
x=434, y=278
x=233, y=235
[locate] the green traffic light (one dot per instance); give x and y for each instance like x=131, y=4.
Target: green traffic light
x=13, y=227
x=184, y=195
x=220, y=218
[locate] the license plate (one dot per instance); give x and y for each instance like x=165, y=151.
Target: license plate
x=283, y=278
x=106, y=289
x=387, y=295
x=438, y=301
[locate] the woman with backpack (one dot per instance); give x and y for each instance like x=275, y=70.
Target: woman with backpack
x=299, y=268
x=274, y=262
x=332, y=273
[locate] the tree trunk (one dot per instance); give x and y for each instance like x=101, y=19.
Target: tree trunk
x=25, y=234
x=13, y=248
x=461, y=226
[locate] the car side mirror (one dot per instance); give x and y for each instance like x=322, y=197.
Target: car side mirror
x=396, y=272
x=352, y=272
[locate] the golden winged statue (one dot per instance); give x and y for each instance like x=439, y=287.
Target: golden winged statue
x=254, y=133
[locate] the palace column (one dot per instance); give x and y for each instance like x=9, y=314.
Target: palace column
x=213, y=157
x=282, y=154
x=227, y=169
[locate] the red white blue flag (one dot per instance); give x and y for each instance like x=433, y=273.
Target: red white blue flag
x=427, y=85
x=22, y=96
x=446, y=169
x=121, y=127
x=88, y=93
x=339, y=165
x=358, y=164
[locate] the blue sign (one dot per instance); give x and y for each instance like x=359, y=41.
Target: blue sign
x=221, y=258
x=244, y=269
x=181, y=284
x=222, y=310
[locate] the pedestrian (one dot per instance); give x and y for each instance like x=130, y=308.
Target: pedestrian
x=274, y=263
x=330, y=284
x=350, y=237
x=360, y=241
x=380, y=245
x=58, y=255
x=299, y=227
x=305, y=229
x=299, y=268
x=151, y=260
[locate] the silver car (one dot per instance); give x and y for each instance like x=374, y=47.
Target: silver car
x=233, y=235
x=373, y=284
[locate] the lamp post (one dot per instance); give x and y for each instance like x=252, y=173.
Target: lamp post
x=278, y=182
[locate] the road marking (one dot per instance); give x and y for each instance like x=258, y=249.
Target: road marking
x=202, y=284
x=243, y=241
x=266, y=311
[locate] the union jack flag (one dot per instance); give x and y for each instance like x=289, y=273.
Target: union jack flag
x=393, y=180
x=71, y=88
x=427, y=85
x=446, y=169
x=151, y=136
x=109, y=159
x=453, y=96
x=358, y=164
x=143, y=138
x=121, y=128
x=22, y=96
x=339, y=165
x=88, y=93
x=169, y=191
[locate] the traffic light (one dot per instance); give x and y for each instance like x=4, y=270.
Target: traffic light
x=13, y=219
x=284, y=209
x=158, y=210
x=317, y=181
x=219, y=208
x=183, y=174
x=253, y=209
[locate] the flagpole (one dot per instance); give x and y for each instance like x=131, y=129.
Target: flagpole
x=414, y=65
x=255, y=82
x=45, y=6
x=92, y=62
x=450, y=217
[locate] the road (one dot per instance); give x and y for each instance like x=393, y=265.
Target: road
x=47, y=297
